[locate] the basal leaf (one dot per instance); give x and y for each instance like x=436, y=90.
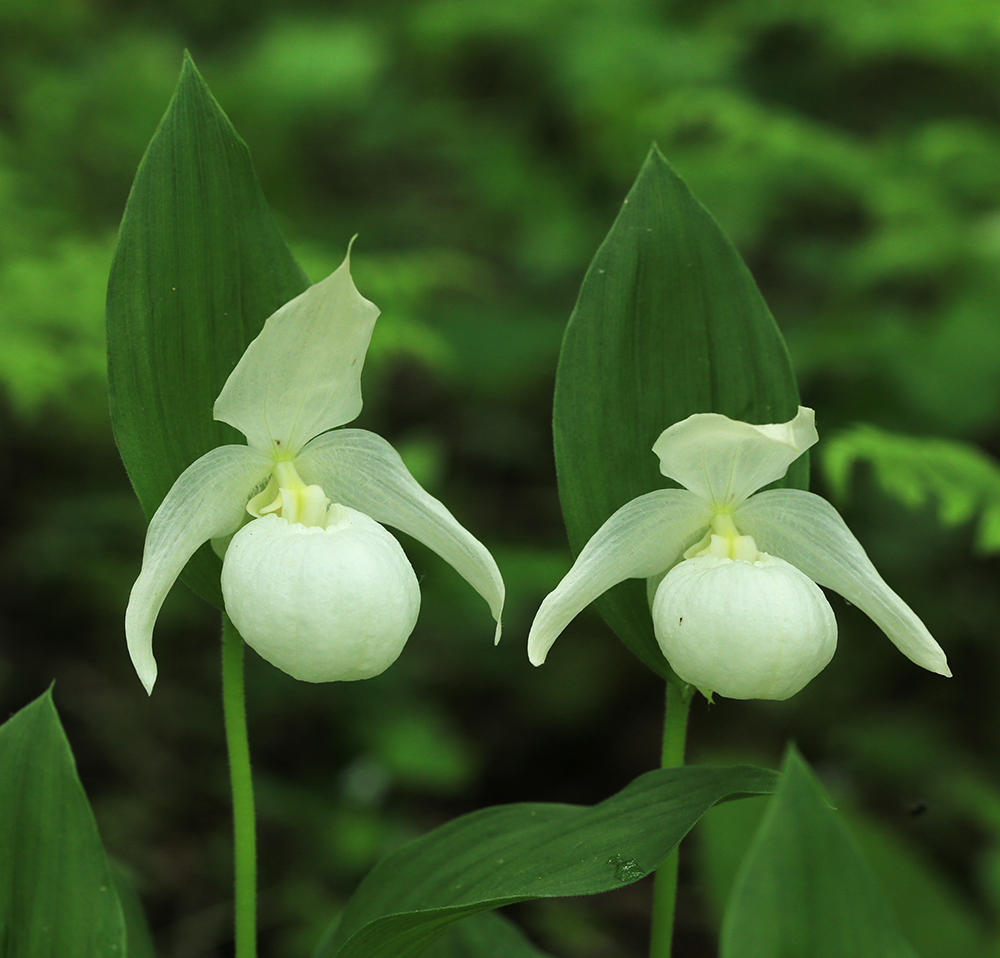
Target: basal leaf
x=669, y=322
x=804, y=888
x=57, y=894
x=510, y=853
x=199, y=266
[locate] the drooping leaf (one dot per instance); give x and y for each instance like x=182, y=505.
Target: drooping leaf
x=199, y=266
x=510, y=853
x=57, y=894
x=669, y=322
x=804, y=888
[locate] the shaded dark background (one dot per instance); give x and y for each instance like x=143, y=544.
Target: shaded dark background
x=850, y=149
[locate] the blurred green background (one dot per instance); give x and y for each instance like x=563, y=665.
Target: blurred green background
x=852, y=152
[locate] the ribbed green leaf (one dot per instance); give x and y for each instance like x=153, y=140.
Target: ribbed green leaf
x=57, y=895
x=511, y=853
x=804, y=888
x=200, y=265
x=669, y=322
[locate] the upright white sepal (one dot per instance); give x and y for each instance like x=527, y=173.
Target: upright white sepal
x=361, y=470
x=302, y=374
x=207, y=501
x=724, y=460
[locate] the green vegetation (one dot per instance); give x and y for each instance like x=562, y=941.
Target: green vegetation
x=852, y=152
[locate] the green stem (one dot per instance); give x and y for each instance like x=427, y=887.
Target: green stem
x=244, y=833
x=665, y=883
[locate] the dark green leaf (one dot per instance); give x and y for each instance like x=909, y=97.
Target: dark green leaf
x=198, y=268
x=140, y=938
x=510, y=853
x=486, y=935
x=57, y=895
x=669, y=322
x=805, y=889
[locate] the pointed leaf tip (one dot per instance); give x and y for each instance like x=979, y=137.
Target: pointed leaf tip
x=804, y=888
x=57, y=896
x=198, y=267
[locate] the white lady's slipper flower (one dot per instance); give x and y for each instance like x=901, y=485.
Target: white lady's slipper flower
x=314, y=583
x=732, y=575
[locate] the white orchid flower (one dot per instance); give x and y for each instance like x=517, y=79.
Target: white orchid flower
x=732, y=575
x=314, y=583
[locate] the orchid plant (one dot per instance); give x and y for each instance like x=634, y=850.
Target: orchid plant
x=668, y=321
x=311, y=579
x=732, y=572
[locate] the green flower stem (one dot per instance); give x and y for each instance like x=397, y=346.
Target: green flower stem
x=665, y=883
x=244, y=825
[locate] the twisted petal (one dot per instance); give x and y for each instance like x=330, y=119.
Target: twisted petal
x=724, y=460
x=302, y=374
x=207, y=500
x=642, y=539
x=362, y=471
x=807, y=531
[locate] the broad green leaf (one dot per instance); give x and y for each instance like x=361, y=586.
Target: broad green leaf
x=804, y=888
x=486, y=935
x=57, y=894
x=510, y=853
x=669, y=322
x=929, y=909
x=482, y=935
x=199, y=266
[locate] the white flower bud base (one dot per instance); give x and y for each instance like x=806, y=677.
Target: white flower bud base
x=323, y=604
x=746, y=630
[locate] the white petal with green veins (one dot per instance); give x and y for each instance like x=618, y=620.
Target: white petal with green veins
x=807, y=531
x=208, y=500
x=642, y=539
x=361, y=470
x=302, y=374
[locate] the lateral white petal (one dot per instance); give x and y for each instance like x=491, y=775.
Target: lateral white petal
x=725, y=460
x=302, y=374
x=359, y=469
x=643, y=538
x=807, y=531
x=208, y=500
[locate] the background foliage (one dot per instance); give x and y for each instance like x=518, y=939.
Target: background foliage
x=852, y=152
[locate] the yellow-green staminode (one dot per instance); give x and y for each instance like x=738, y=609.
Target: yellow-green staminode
x=733, y=575
x=313, y=582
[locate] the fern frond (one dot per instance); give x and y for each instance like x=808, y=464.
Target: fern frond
x=959, y=479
